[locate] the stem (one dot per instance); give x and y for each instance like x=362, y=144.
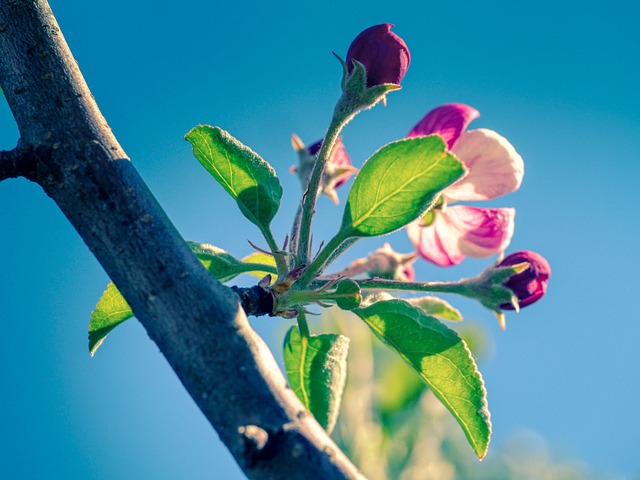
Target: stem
x=303, y=326
x=343, y=247
x=295, y=233
x=461, y=287
x=281, y=263
x=318, y=263
x=357, y=267
x=342, y=114
x=304, y=343
x=298, y=297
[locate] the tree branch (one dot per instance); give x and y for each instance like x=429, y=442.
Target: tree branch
x=255, y=300
x=196, y=322
x=15, y=163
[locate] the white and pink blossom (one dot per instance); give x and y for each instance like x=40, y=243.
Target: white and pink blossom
x=451, y=233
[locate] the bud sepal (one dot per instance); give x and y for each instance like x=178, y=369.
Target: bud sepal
x=346, y=295
x=490, y=290
x=356, y=95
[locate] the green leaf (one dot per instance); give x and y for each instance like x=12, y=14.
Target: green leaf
x=317, y=371
x=348, y=295
x=264, y=259
x=226, y=267
x=441, y=358
x=250, y=180
x=400, y=182
x=218, y=262
x=436, y=307
x=111, y=311
x=398, y=386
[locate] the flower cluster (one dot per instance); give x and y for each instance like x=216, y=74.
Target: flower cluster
x=449, y=232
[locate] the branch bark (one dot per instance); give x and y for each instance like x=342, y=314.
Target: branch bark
x=196, y=322
x=15, y=163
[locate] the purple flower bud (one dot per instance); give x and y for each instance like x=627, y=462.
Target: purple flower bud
x=384, y=55
x=314, y=148
x=531, y=284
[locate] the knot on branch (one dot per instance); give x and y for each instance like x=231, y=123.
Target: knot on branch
x=260, y=445
x=255, y=436
x=19, y=162
x=256, y=300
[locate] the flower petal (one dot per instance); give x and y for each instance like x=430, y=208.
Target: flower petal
x=314, y=148
x=480, y=232
x=408, y=273
x=338, y=169
x=435, y=243
x=495, y=168
x=448, y=121
x=339, y=156
x=341, y=163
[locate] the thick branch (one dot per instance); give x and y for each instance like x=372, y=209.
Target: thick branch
x=195, y=321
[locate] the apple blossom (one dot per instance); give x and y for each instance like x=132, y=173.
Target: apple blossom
x=447, y=234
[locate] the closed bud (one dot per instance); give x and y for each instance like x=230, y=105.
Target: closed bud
x=520, y=279
x=387, y=263
x=530, y=284
x=383, y=54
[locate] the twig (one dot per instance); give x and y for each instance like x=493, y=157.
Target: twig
x=15, y=163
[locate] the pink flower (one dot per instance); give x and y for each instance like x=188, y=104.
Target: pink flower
x=447, y=234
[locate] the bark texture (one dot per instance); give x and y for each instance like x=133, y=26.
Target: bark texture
x=67, y=147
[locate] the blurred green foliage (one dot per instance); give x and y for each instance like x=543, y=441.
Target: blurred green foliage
x=394, y=428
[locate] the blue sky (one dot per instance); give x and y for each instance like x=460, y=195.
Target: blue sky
x=558, y=79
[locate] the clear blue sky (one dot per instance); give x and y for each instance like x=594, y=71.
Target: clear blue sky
x=558, y=79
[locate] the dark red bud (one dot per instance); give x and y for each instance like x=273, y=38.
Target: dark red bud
x=529, y=286
x=384, y=55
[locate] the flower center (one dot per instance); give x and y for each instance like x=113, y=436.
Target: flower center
x=430, y=216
